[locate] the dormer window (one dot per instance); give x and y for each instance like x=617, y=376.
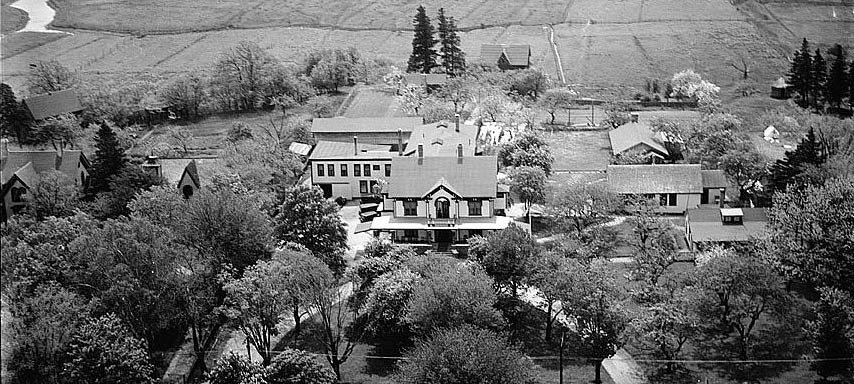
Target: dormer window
x=732, y=216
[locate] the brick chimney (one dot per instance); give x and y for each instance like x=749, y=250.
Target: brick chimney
x=399, y=142
x=723, y=194
x=152, y=166
x=460, y=151
x=356, y=145
x=420, y=151
x=457, y=122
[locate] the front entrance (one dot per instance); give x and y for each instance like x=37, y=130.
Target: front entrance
x=443, y=239
x=327, y=190
x=443, y=208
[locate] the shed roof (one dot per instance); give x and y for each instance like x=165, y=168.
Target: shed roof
x=517, y=55
x=656, y=178
x=714, y=178
x=630, y=135
x=364, y=124
x=706, y=225
x=468, y=176
x=53, y=104
x=338, y=150
x=442, y=138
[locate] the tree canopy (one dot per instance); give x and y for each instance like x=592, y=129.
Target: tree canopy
x=423, y=57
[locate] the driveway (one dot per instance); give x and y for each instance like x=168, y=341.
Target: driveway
x=356, y=241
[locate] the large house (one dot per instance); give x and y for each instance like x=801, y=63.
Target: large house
x=441, y=201
x=21, y=169
x=52, y=104
x=371, y=130
x=677, y=187
x=637, y=138
x=708, y=226
x=505, y=56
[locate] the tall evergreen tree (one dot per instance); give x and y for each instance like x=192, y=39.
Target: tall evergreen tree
x=801, y=72
x=13, y=118
x=850, y=82
x=423, y=57
x=798, y=165
x=453, y=58
x=836, y=80
x=819, y=79
x=109, y=159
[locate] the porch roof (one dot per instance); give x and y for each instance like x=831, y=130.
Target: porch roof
x=390, y=223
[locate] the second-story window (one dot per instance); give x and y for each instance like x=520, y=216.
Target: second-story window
x=388, y=170
x=18, y=194
x=367, y=170
x=343, y=169
x=320, y=170
x=357, y=170
x=331, y=169
x=475, y=207
x=410, y=208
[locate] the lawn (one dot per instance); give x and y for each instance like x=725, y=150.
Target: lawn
x=374, y=102
x=579, y=150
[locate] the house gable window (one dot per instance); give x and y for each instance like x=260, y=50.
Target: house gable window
x=343, y=169
x=17, y=194
x=320, y=170
x=410, y=208
x=475, y=207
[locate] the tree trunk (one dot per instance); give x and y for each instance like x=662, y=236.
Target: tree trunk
x=297, y=323
x=598, y=379
x=549, y=321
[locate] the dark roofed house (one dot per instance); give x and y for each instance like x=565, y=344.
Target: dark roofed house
x=20, y=170
x=441, y=201
x=708, y=226
x=370, y=130
x=637, y=138
x=506, y=56
x=677, y=187
x=53, y=104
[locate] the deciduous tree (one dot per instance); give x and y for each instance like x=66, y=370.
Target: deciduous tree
x=103, y=351
x=578, y=207
x=235, y=369
x=529, y=184
x=832, y=333
x=554, y=100
x=186, y=95
x=54, y=194
x=527, y=150
x=508, y=256
x=745, y=167
x=292, y=366
x=50, y=76
x=241, y=77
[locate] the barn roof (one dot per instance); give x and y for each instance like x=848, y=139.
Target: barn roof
x=630, y=135
x=468, y=176
x=656, y=178
x=364, y=124
x=53, y=104
x=517, y=55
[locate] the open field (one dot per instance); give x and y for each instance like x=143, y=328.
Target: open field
x=12, y=19
x=371, y=102
x=603, y=44
x=579, y=150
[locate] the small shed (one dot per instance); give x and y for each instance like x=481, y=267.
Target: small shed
x=53, y=104
x=781, y=89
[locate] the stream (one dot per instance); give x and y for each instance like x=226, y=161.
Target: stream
x=41, y=15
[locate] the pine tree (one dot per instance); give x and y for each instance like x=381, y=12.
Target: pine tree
x=836, y=81
x=423, y=57
x=851, y=84
x=453, y=58
x=819, y=79
x=793, y=169
x=13, y=119
x=109, y=159
x=801, y=72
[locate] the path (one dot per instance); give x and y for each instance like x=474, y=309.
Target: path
x=623, y=369
x=555, y=52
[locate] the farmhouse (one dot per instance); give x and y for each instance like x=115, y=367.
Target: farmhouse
x=441, y=201
x=52, y=104
x=637, y=137
x=21, y=169
x=676, y=187
x=707, y=226
x=350, y=170
x=371, y=130
x=505, y=56
x=443, y=139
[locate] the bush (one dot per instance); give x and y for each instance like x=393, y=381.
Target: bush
x=341, y=201
x=321, y=106
x=292, y=366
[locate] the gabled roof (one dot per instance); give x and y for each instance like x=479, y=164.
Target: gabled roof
x=42, y=161
x=661, y=178
x=191, y=171
x=441, y=139
x=517, y=55
x=53, y=104
x=67, y=163
x=337, y=150
x=470, y=176
x=300, y=148
x=629, y=135
x=706, y=225
x=442, y=184
x=780, y=83
x=364, y=124
x=714, y=178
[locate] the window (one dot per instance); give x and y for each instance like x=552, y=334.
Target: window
x=343, y=169
x=410, y=208
x=331, y=169
x=377, y=167
x=357, y=170
x=668, y=199
x=367, y=170
x=475, y=207
x=17, y=194
x=410, y=234
x=475, y=232
x=388, y=170
x=320, y=170
x=363, y=186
